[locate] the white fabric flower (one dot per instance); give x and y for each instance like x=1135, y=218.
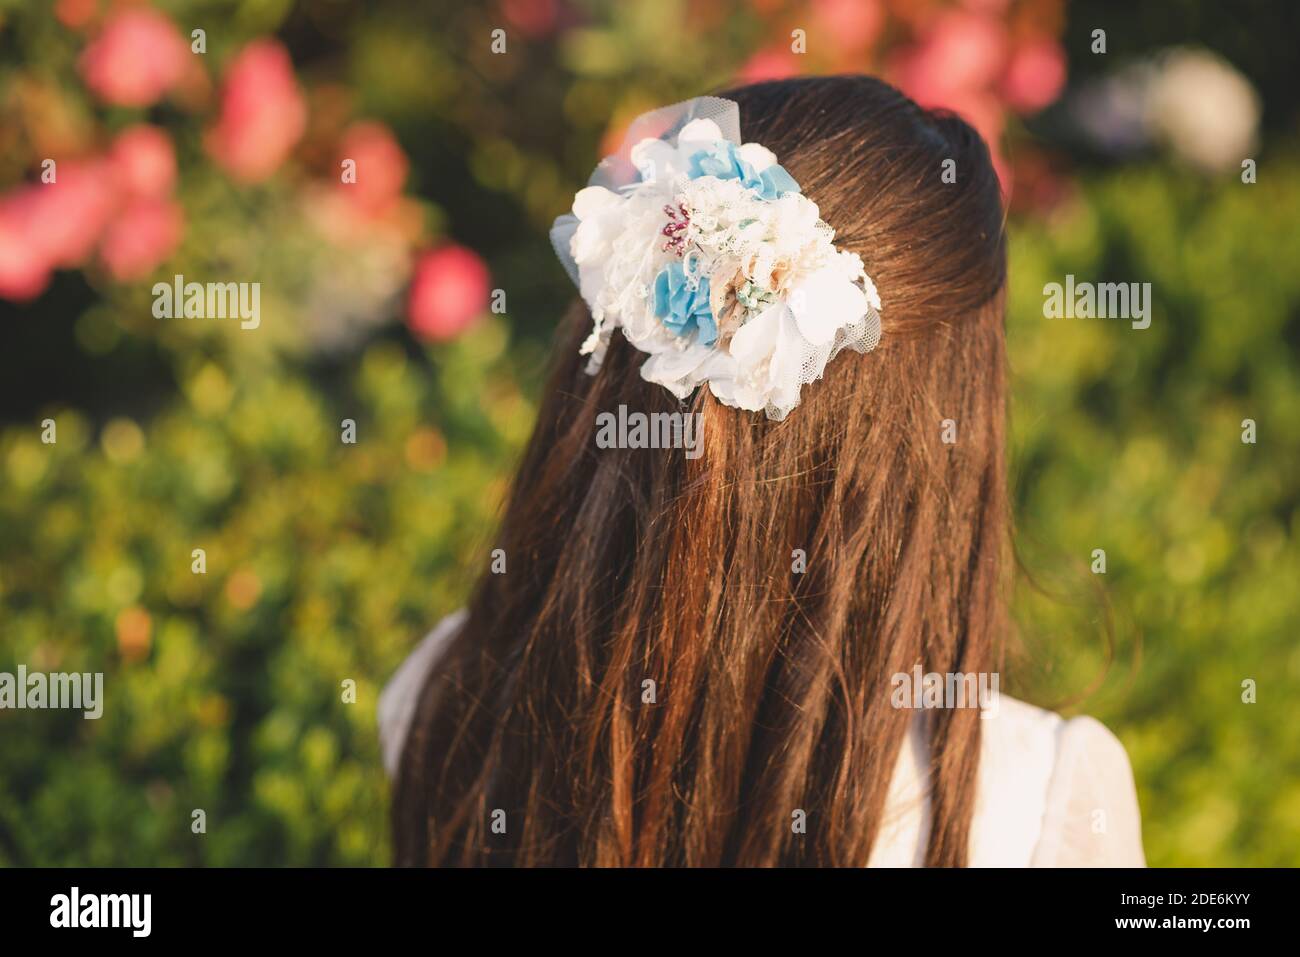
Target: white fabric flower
x=759, y=157
x=678, y=370
x=783, y=298
x=822, y=301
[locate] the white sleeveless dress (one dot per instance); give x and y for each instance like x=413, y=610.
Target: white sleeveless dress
x=1052, y=792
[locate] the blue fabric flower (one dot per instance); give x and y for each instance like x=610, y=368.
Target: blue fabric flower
x=722, y=161
x=776, y=182
x=682, y=306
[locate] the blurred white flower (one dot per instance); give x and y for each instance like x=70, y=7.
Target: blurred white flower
x=1204, y=108
x=1190, y=100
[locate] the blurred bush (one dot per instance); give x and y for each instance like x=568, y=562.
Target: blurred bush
x=1131, y=441
x=224, y=689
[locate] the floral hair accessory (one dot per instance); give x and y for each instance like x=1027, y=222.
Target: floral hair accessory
x=710, y=259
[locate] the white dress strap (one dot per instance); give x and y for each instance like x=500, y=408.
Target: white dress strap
x=398, y=699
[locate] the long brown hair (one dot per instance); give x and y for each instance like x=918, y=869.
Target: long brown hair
x=655, y=680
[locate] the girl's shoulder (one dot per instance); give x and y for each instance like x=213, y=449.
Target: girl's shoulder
x=1090, y=806
x=1053, y=792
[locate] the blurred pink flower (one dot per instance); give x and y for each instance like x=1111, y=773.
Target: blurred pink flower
x=533, y=18
x=262, y=113
x=142, y=236
x=381, y=166
x=1035, y=75
x=997, y=7
x=118, y=202
x=70, y=213
x=24, y=267
x=144, y=162
x=135, y=59
x=44, y=226
x=851, y=25
x=773, y=63
x=449, y=292
x=962, y=52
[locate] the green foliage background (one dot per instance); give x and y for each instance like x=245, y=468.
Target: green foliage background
x=1131, y=441
x=326, y=562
